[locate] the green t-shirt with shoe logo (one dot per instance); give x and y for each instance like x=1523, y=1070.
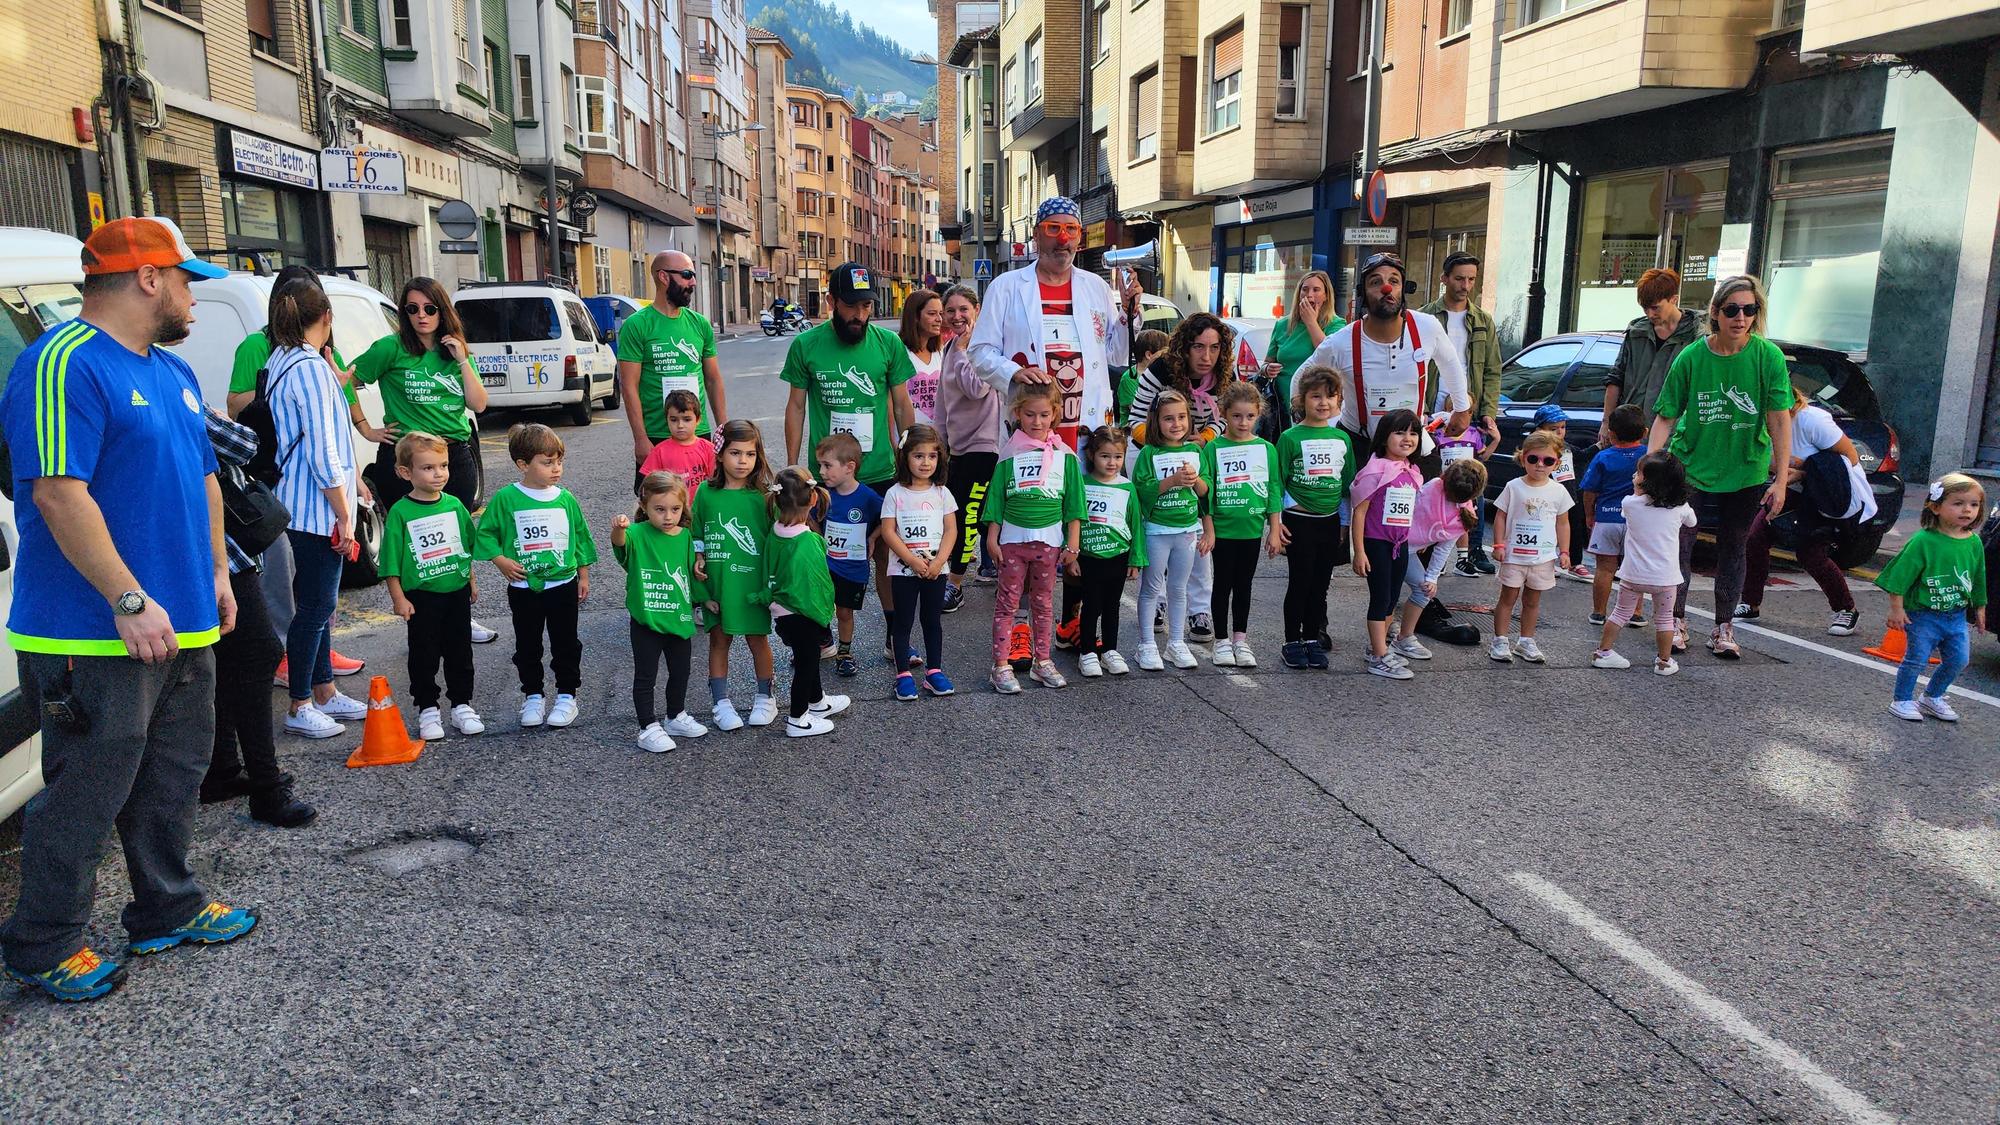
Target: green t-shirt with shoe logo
x=847, y=390
x=659, y=577
x=670, y=351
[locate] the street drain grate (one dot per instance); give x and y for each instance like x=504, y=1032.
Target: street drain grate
x=412, y=852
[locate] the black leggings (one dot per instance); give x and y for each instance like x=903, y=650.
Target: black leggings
x=971, y=473
x=1729, y=515
x=1235, y=569
x=245, y=658
x=1387, y=563
x=801, y=634
x=918, y=601
x=647, y=649
x=1102, y=585
x=553, y=609
x=1318, y=545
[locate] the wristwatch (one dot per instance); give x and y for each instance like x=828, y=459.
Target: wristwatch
x=129, y=603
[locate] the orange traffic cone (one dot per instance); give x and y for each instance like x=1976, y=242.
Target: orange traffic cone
x=384, y=739
x=1893, y=647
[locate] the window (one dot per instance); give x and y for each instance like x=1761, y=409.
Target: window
x=988, y=97
x=1184, y=120
x=399, y=23
x=570, y=116
x=1032, y=56
x=1100, y=150
x=1787, y=13
x=1225, y=76
x=1011, y=81
x=1100, y=43
x=989, y=190
x=491, y=57
x=1532, y=376
x=262, y=19
x=1824, y=241
x=1291, y=62
x=1457, y=16
x=1534, y=11
x=1146, y=115
x=601, y=267
x=524, y=84
x=497, y=320
x=1586, y=383
x=597, y=128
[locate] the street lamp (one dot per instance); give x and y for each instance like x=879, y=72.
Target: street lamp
x=715, y=185
x=978, y=169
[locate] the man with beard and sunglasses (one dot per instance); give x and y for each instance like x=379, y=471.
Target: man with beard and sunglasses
x=1390, y=359
x=668, y=347
x=848, y=375
x=122, y=589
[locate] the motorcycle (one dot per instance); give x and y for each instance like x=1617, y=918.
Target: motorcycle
x=793, y=320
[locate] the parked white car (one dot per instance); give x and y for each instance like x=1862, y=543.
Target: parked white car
x=535, y=344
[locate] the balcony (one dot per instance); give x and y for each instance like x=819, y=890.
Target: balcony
x=1615, y=57
x=629, y=187
x=1895, y=26
x=435, y=81
x=976, y=17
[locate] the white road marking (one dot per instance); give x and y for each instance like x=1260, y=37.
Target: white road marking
x=1860, y=661
x=1848, y=1102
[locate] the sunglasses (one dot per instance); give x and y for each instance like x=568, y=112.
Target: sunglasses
x=414, y=309
x=1532, y=460
x=1734, y=310
x=684, y=275
x=1061, y=230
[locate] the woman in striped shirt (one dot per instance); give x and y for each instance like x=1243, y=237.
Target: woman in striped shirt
x=316, y=483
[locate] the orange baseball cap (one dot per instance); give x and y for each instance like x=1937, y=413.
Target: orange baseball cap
x=123, y=245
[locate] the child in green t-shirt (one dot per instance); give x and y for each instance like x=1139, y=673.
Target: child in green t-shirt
x=1173, y=494
x=426, y=560
x=800, y=594
x=1937, y=577
x=658, y=556
x=1113, y=551
x=1243, y=504
x=732, y=525
x=535, y=533
x=1315, y=464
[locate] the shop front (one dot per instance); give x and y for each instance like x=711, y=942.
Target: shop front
x=273, y=212
x=1670, y=218
x=1262, y=247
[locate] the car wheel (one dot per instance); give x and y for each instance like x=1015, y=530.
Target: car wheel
x=361, y=572
x=610, y=401
x=579, y=412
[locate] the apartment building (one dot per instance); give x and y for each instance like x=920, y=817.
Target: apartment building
x=820, y=154
x=957, y=19
x=49, y=128
x=774, y=272
x=971, y=136
x=1040, y=75
x=718, y=64
x=631, y=97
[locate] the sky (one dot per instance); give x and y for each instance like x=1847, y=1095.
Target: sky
x=908, y=22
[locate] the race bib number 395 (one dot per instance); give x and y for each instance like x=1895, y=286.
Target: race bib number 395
x=541, y=531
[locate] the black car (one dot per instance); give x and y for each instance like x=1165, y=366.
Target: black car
x=1571, y=370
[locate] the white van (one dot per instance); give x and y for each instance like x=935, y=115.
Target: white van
x=535, y=344
x=41, y=273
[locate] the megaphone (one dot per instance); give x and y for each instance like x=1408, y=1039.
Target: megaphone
x=1145, y=256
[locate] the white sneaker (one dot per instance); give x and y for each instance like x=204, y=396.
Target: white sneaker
x=1382, y=666
x=763, y=711
x=1410, y=647
x=1936, y=707
x=685, y=725
x=1609, y=658
x=827, y=707
x=1225, y=654
x=465, y=720
x=481, y=635
x=1089, y=666
x=342, y=707
x=1393, y=657
x=1244, y=657
x=653, y=740
x=1528, y=650
x=1114, y=663
x=1149, y=658
x=1500, y=650
x=1666, y=667
x=807, y=725
x=533, y=710
x=430, y=724
x=725, y=716
x=309, y=722
x=1181, y=655
x=1902, y=709
x=564, y=711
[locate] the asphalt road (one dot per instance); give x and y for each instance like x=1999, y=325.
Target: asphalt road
x=1494, y=893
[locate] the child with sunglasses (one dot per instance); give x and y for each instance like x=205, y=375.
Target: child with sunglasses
x=1532, y=532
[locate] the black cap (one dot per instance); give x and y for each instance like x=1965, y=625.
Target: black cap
x=853, y=283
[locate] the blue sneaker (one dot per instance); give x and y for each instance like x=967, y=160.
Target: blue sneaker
x=937, y=683
x=846, y=666
x=217, y=923
x=1316, y=655
x=906, y=688
x=85, y=976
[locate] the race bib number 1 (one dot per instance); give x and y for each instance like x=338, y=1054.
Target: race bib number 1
x=1105, y=506
x=1167, y=464
x=1452, y=453
x=1525, y=539
x=845, y=542
x=1029, y=471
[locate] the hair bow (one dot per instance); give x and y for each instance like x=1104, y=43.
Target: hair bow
x=1937, y=490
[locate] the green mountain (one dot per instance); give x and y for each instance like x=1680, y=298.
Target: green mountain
x=833, y=53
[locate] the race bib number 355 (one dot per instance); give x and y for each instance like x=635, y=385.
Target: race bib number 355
x=1321, y=457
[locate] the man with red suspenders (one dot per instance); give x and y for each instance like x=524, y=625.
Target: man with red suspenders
x=1395, y=359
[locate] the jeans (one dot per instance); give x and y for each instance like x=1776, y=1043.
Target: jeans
x=1728, y=515
x=1815, y=558
x=1942, y=631
x=440, y=632
x=1317, y=546
x=647, y=649
x=1170, y=560
x=971, y=474
x=1029, y=572
x=1235, y=572
x=553, y=609
x=1103, y=586
x=245, y=657
x=919, y=603
x=315, y=591
x=138, y=769
x=801, y=635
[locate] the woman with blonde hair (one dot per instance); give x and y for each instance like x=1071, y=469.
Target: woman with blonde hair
x=1293, y=339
